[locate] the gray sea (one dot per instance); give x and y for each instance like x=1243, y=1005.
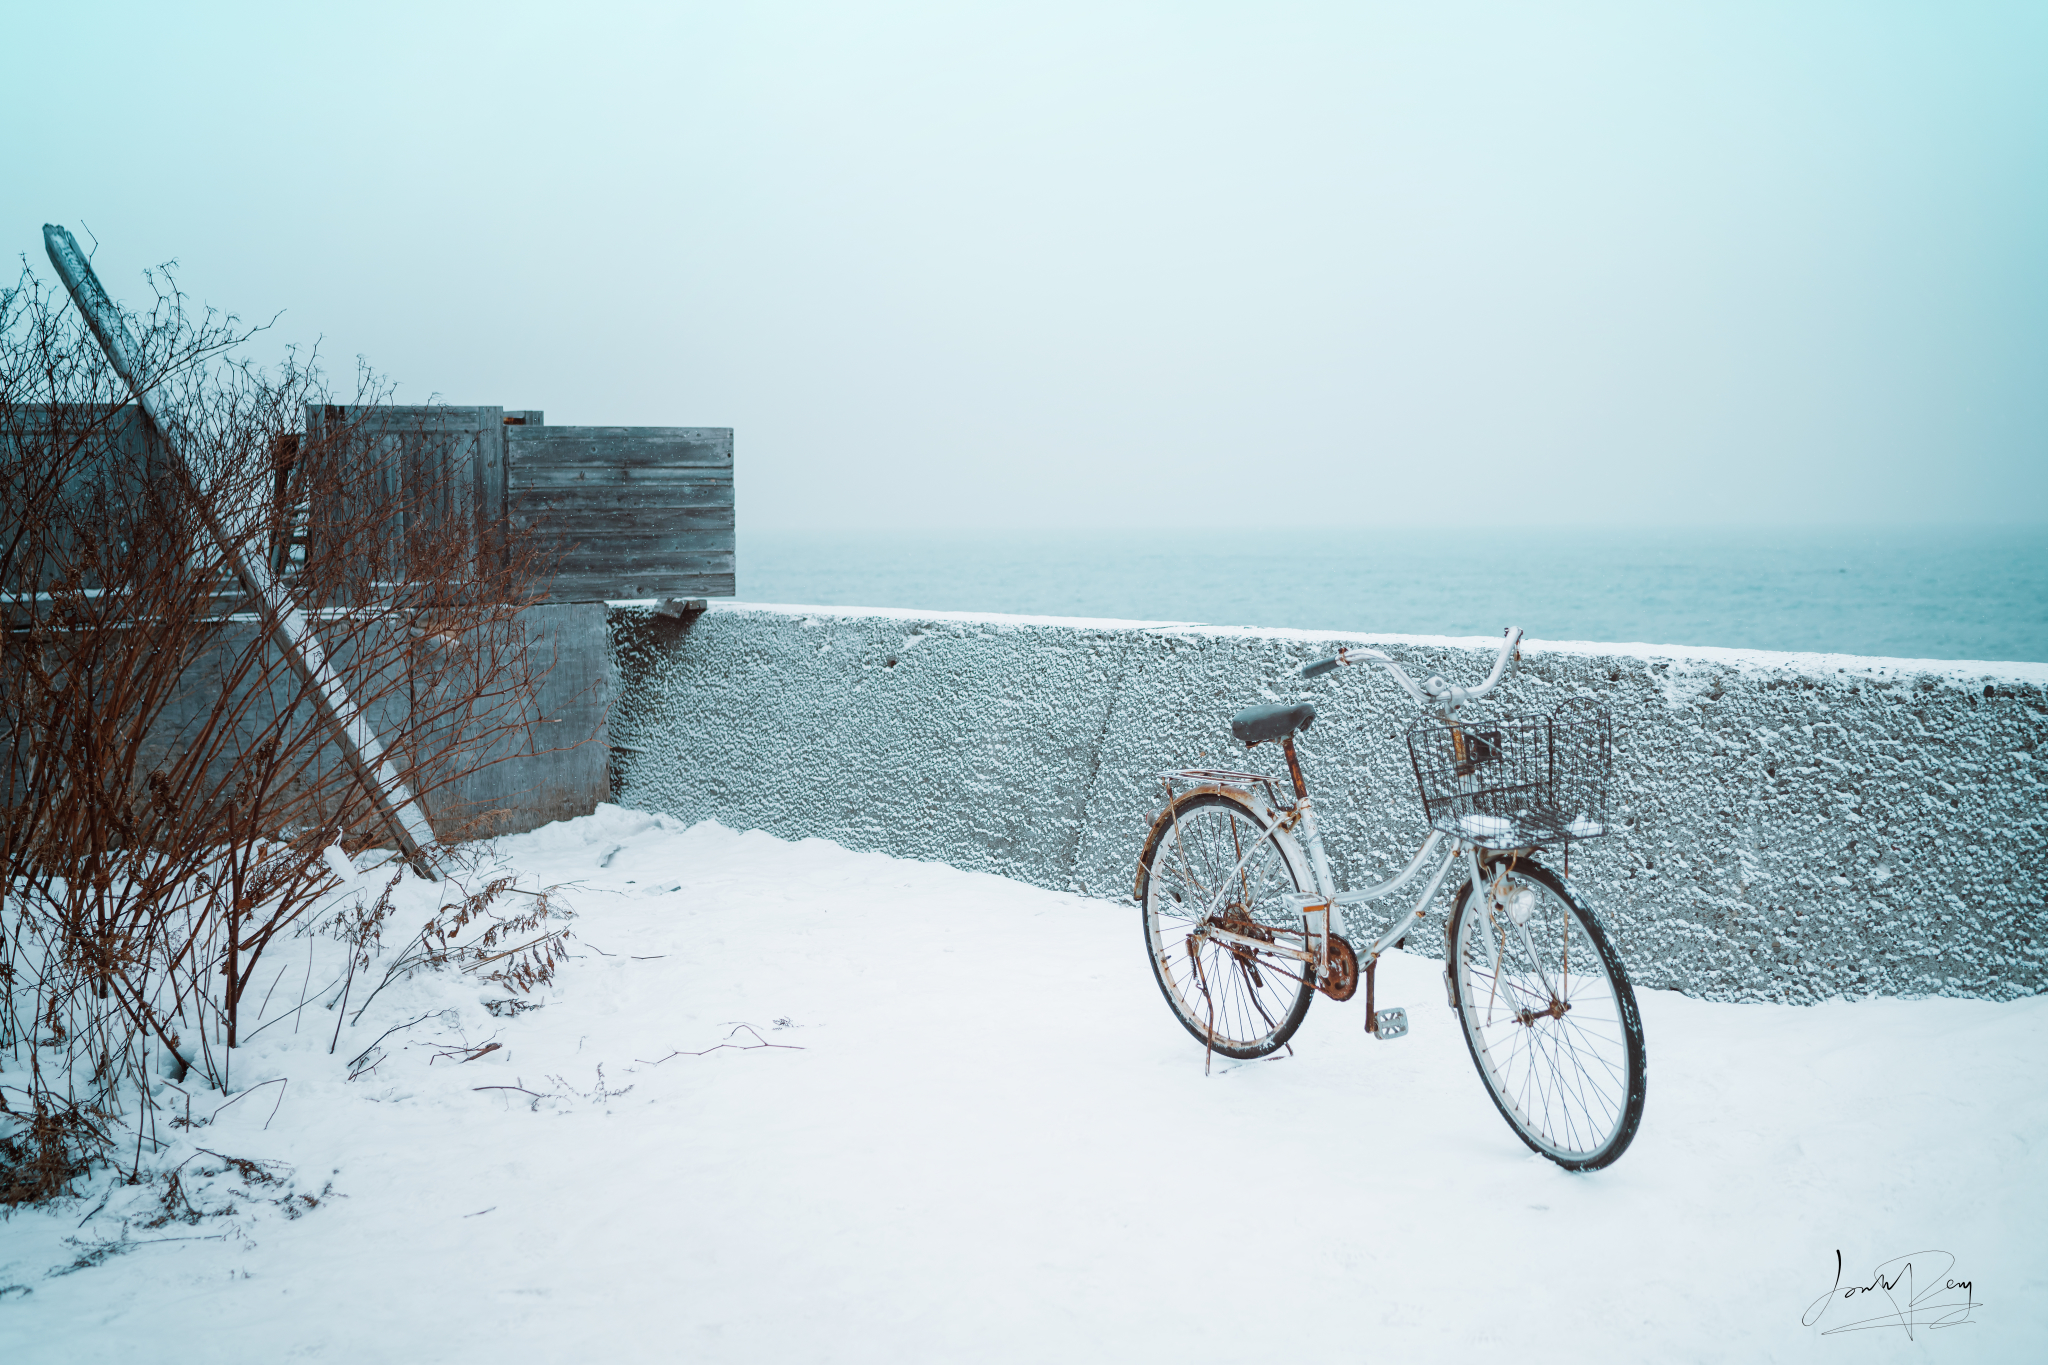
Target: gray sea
x=1919, y=593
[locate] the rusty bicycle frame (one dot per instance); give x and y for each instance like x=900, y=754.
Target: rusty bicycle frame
x=1246, y=893
x=1433, y=693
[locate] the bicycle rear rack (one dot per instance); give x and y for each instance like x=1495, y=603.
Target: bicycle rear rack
x=1221, y=777
x=1208, y=775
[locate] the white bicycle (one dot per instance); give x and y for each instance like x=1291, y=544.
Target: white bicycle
x=1237, y=916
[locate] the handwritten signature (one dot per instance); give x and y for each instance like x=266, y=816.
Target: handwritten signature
x=1919, y=1290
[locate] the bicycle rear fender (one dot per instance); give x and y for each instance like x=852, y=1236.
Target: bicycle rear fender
x=1270, y=820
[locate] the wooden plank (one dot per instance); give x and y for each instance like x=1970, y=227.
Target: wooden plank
x=490, y=492
x=651, y=552
x=522, y=476
x=534, y=504
x=498, y=483
x=589, y=544
x=638, y=511
x=660, y=447
x=656, y=561
x=587, y=554
x=633, y=494
x=584, y=522
x=105, y=450
x=538, y=434
x=615, y=462
x=591, y=547
x=441, y=465
x=626, y=581
x=457, y=459
x=562, y=475
x=400, y=418
x=687, y=481
x=715, y=504
x=681, y=455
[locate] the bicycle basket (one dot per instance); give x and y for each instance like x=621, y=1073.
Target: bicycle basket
x=1512, y=781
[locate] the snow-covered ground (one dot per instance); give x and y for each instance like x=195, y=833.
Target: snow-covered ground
x=955, y=1122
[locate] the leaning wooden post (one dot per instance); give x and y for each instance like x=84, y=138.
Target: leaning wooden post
x=286, y=624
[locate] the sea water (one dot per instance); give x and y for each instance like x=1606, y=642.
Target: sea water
x=1930, y=594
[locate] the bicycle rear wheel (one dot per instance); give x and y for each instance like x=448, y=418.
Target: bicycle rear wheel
x=1212, y=864
x=1549, y=1017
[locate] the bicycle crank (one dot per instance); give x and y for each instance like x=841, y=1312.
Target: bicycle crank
x=1339, y=980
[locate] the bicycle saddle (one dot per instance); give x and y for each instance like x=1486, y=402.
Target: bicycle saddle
x=1257, y=724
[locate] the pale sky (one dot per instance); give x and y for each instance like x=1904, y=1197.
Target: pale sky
x=1123, y=265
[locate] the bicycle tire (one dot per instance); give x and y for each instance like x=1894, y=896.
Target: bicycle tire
x=1565, y=1066
x=1240, y=1001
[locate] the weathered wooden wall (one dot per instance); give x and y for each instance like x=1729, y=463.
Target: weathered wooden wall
x=105, y=459
x=640, y=511
x=436, y=463
x=635, y=512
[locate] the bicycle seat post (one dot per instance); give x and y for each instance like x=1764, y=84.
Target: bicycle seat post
x=1294, y=769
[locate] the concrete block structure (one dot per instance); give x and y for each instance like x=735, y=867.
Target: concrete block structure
x=1789, y=827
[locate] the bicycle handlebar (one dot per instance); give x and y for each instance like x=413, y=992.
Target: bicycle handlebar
x=1430, y=689
x=1500, y=662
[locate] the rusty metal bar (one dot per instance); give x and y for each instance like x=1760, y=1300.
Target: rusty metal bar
x=282, y=618
x=1294, y=768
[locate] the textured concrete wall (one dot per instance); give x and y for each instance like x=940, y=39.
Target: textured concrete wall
x=1792, y=827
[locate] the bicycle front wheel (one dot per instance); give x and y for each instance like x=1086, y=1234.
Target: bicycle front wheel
x=1549, y=1017
x=1212, y=867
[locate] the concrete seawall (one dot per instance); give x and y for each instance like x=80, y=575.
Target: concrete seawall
x=1789, y=826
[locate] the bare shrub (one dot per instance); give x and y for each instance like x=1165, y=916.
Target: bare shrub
x=169, y=790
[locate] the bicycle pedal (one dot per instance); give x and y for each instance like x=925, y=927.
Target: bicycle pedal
x=1389, y=1024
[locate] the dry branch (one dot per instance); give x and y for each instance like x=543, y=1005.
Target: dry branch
x=167, y=788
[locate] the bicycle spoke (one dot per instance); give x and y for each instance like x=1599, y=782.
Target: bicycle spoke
x=1554, y=1034
x=1216, y=866
x=1553, y=1046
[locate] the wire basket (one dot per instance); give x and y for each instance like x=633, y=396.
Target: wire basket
x=1513, y=781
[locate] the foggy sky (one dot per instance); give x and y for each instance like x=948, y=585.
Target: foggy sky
x=1102, y=265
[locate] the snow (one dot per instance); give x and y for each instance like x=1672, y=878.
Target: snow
x=1958, y=672
x=792, y=1102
